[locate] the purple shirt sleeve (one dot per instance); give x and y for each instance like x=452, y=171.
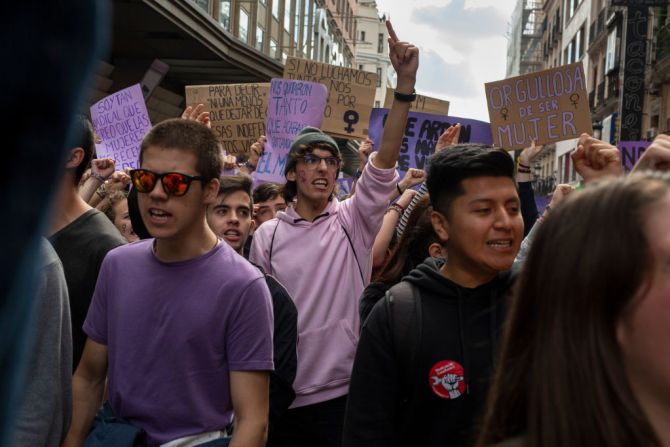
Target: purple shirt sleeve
x=249, y=330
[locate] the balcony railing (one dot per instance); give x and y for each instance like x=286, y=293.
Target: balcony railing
x=612, y=88
x=592, y=100
x=663, y=43
x=598, y=26
x=601, y=93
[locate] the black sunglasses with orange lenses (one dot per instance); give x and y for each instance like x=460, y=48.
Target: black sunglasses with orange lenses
x=174, y=183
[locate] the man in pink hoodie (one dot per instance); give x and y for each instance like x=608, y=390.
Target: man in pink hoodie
x=320, y=249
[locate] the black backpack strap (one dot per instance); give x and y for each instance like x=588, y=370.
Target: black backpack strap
x=403, y=303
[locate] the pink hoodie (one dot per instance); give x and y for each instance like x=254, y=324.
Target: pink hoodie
x=316, y=264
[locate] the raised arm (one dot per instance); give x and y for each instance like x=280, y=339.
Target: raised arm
x=405, y=59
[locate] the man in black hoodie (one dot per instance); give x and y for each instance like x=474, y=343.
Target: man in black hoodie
x=420, y=378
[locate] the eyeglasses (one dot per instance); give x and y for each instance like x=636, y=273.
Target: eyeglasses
x=174, y=183
x=312, y=161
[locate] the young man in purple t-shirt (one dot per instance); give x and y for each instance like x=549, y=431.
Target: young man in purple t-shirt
x=180, y=324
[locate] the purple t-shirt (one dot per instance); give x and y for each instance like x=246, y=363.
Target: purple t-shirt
x=173, y=332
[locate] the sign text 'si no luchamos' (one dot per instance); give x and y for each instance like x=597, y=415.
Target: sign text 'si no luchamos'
x=292, y=106
x=351, y=94
x=546, y=106
x=121, y=121
x=236, y=112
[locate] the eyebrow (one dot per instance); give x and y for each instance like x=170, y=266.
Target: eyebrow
x=488, y=201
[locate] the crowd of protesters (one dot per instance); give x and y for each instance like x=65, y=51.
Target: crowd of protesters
x=181, y=307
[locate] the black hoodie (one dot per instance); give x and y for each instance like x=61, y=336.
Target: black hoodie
x=460, y=328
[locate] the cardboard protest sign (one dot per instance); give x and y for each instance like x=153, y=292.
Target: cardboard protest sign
x=236, y=111
x=422, y=132
x=546, y=106
x=121, y=121
x=351, y=94
x=423, y=104
x=631, y=151
x=292, y=106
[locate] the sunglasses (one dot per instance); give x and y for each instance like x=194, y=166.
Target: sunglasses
x=312, y=161
x=174, y=183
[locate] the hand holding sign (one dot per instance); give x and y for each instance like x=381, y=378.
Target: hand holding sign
x=595, y=159
x=528, y=154
x=405, y=59
x=197, y=113
x=448, y=138
x=656, y=157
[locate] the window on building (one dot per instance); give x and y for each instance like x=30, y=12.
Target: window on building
x=284, y=56
x=379, y=76
x=203, y=4
x=380, y=43
x=296, y=16
x=362, y=36
x=360, y=67
x=275, y=9
x=260, y=38
x=377, y=104
x=287, y=16
x=224, y=14
x=244, y=26
x=273, y=48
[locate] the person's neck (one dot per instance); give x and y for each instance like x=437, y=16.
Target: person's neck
x=68, y=206
x=657, y=410
x=463, y=275
x=194, y=244
x=308, y=209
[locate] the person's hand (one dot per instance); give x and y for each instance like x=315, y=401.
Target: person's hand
x=117, y=182
x=102, y=168
x=198, y=114
x=561, y=192
x=596, y=159
x=405, y=59
x=412, y=178
x=229, y=162
x=448, y=138
x=406, y=197
x=364, y=153
x=256, y=151
x=656, y=156
x=529, y=153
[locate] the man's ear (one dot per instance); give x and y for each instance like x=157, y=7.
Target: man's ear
x=252, y=226
x=440, y=225
x=75, y=158
x=435, y=250
x=211, y=191
x=290, y=175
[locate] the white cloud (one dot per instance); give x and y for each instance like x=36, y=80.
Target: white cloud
x=447, y=70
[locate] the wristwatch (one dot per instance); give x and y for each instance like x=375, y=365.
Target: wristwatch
x=403, y=97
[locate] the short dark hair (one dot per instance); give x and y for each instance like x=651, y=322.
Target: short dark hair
x=186, y=135
x=83, y=137
x=234, y=183
x=267, y=191
x=291, y=188
x=447, y=170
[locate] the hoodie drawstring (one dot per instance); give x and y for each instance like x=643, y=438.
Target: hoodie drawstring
x=464, y=352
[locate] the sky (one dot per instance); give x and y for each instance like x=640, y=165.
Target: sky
x=462, y=45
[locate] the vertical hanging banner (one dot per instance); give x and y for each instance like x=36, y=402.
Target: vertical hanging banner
x=422, y=132
x=351, y=94
x=292, y=105
x=633, y=72
x=546, y=106
x=423, y=104
x=236, y=111
x=631, y=151
x=121, y=121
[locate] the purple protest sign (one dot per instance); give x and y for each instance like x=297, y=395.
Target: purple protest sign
x=422, y=132
x=631, y=151
x=292, y=106
x=121, y=121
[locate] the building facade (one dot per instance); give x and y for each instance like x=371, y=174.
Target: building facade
x=372, y=48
